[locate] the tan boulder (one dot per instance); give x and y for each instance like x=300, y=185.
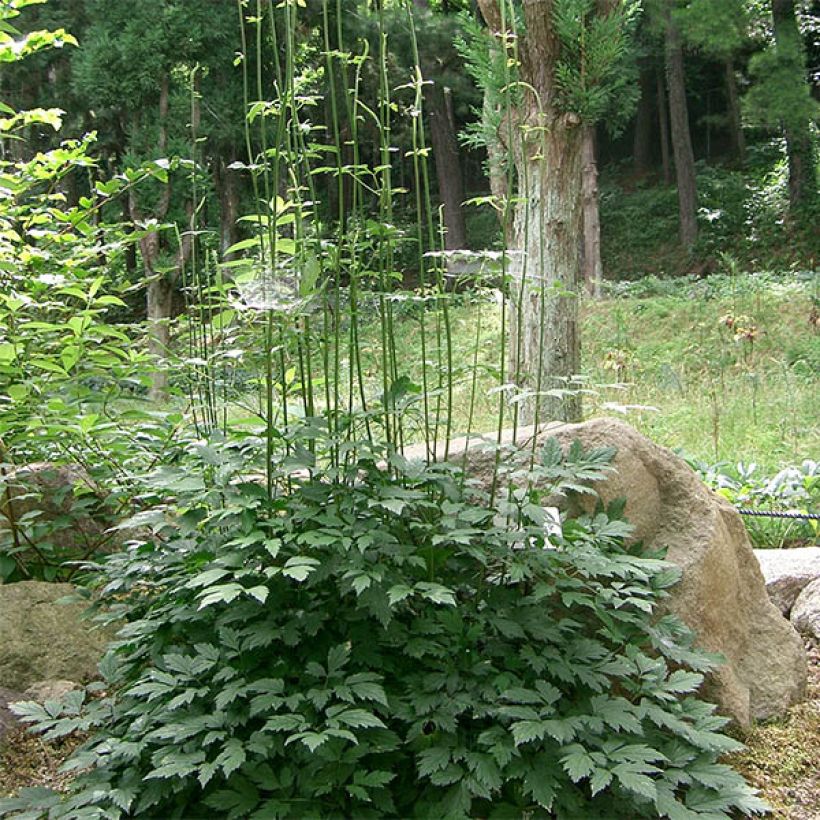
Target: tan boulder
x=55, y=503
x=806, y=610
x=42, y=638
x=721, y=595
x=45, y=690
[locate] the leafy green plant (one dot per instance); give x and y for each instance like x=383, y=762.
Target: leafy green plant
x=387, y=643
x=70, y=371
x=794, y=489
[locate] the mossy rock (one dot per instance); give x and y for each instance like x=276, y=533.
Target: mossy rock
x=42, y=639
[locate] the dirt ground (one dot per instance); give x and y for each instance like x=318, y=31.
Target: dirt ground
x=782, y=757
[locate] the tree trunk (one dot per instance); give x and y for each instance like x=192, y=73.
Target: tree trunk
x=545, y=350
x=159, y=291
x=130, y=254
x=733, y=106
x=681, y=138
x=593, y=268
x=444, y=142
x=642, y=142
x=797, y=128
x=448, y=165
x=159, y=302
x=544, y=334
x=225, y=180
x=663, y=129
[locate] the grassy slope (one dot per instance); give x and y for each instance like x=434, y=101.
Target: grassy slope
x=717, y=398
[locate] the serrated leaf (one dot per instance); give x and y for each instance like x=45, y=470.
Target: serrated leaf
x=359, y=719
x=577, y=763
x=231, y=757
x=299, y=567
x=436, y=593
x=259, y=592
x=526, y=730
x=599, y=780
x=432, y=760
x=636, y=782
x=398, y=593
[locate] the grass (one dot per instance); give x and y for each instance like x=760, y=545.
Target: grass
x=715, y=397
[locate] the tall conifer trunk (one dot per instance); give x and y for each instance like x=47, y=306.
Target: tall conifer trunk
x=681, y=138
x=797, y=128
x=448, y=165
x=733, y=109
x=642, y=141
x=446, y=154
x=593, y=267
x=548, y=225
x=663, y=129
x=225, y=181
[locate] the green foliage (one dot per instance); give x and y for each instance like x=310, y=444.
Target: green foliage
x=488, y=62
x=596, y=73
x=743, y=212
x=65, y=359
x=387, y=643
x=793, y=489
x=779, y=93
x=49, y=522
x=718, y=27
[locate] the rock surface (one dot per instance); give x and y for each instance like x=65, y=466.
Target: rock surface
x=44, y=690
x=61, y=501
x=41, y=639
x=721, y=595
x=787, y=572
x=7, y=719
x=806, y=610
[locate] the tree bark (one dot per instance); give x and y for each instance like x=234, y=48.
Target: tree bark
x=593, y=267
x=733, y=109
x=225, y=181
x=545, y=349
x=797, y=128
x=663, y=129
x=642, y=141
x=681, y=138
x=446, y=154
x=159, y=290
x=448, y=165
x=544, y=334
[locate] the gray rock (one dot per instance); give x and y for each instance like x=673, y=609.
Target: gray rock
x=721, y=595
x=41, y=639
x=806, y=610
x=61, y=501
x=787, y=572
x=7, y=718
x=44, y=690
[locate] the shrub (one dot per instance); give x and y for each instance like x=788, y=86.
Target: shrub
x=794, y=489
x=386, y=642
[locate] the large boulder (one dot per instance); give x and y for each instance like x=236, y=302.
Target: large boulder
x=721, y=595
x=41, y=639
x=805, y=613
x=55, y=503
x=787, y=572
x=8, y=720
